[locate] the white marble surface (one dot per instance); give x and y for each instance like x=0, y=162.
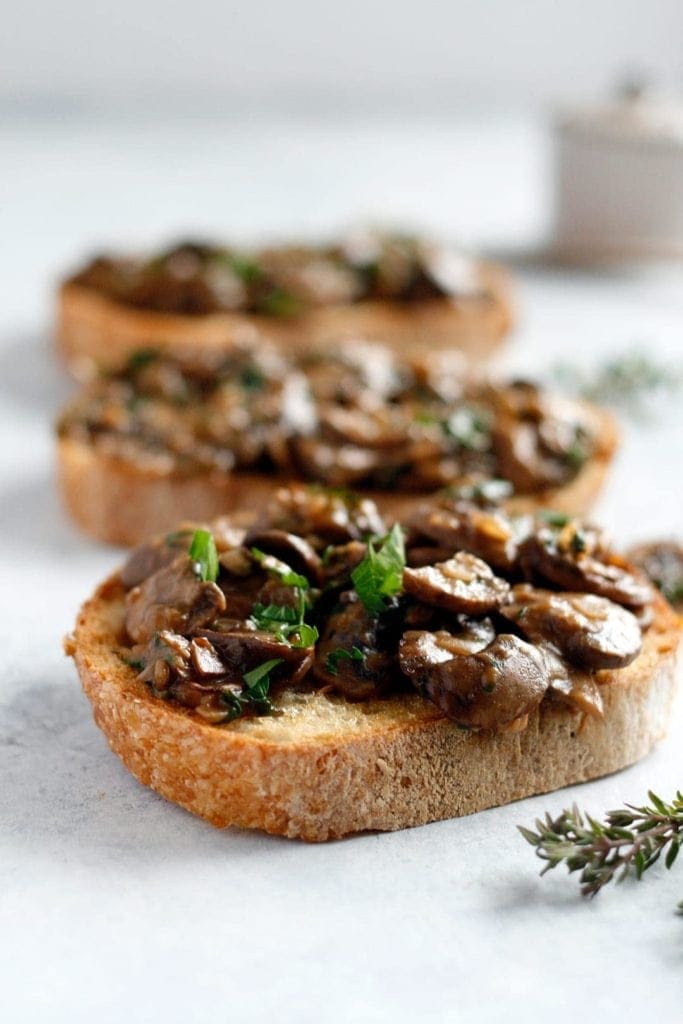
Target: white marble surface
x=115, y=906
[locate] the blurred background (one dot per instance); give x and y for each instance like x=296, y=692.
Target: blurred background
x=127, y=123
x=270, y=118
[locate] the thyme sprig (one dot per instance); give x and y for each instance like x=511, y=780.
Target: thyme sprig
x=629, y=841
x=629, y=382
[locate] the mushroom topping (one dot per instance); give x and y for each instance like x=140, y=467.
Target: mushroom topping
x=590, y=631
x=488, y=689
x=349, y=658
x=173, y=598
x=462, y=584
x=574, y=568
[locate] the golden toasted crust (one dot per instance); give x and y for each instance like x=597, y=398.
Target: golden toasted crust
x=96, y=333
x=121, y=502
x=323, y=767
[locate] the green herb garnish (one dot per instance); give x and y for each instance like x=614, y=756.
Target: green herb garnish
x=280, y=569
x=254, y=697
x=285, y=623
x=629, y=841
x=279, y=302
x=204, y=555
x=576, y=455
x=252, y=379
x=341, y=654
x=258, y=679
x=578, y=542
x=558, y=519
x=143, y=357
x=380, y=574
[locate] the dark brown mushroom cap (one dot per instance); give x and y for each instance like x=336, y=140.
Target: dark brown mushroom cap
x=590, y=631
x=574, y=569
x=458, y=525
x=489, y=689
x=464, y=583
x=173, y=598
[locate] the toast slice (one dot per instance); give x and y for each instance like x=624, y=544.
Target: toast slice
x=324, y=767
x=97, y=333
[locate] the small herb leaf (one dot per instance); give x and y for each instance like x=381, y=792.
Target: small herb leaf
x=341, y=654
x=204, y=554
x=380, y=574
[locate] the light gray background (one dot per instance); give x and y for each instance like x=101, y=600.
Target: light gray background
x=360, y=56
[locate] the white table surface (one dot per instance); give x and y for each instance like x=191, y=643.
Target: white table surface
x=116, y=906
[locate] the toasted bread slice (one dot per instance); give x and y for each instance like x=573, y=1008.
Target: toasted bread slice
x=96, y=333
x=122, y=502
x=323, y=767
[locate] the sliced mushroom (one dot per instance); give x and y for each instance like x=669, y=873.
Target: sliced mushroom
x=146, y=559
x=289, y=548
x=462, y=584
x=488, y=689
x=591, y=631
x=575, y=569
x=173, y=598
x=357, y=677
x=487, y=533
x=322, y=517
x=242, y=650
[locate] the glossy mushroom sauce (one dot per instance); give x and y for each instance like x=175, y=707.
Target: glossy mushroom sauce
x=195, y=278
x=483, y=614
x=361, y=418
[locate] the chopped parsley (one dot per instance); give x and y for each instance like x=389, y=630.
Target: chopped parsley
x=254, y=697
x=285, y=623
x=280, y=569
x=558, y=519
x=279, y=302
x=341, y=654
x=143, y=357
x=204, y=555
x=252, y=379
x=380, y=574
x=578, y=542
x=576, y=455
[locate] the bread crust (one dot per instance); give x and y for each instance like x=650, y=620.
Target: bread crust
x=97, y=333
x=325, y=768
x=121, y=502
